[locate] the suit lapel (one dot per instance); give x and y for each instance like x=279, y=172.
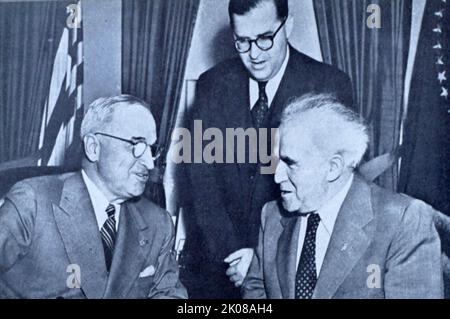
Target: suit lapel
x=287, y=255
x=78, y=227
x=130, y=252
x=350, y=239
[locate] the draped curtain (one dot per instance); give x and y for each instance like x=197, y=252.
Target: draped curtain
x=375, y=59
x=156, y=40
x=29, y=33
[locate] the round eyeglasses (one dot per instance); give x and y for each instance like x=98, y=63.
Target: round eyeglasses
x=264, y=42
x=139, y=145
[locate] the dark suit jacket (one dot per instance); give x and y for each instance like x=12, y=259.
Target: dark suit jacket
x=376, y=232
x=48, y=223
x=223, y=213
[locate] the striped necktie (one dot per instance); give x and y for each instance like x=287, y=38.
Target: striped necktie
x=108, y=233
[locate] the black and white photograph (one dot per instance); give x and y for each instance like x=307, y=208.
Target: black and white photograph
x=234, y=150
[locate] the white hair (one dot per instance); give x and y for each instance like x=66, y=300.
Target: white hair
x=100, y=112
x=334, y=128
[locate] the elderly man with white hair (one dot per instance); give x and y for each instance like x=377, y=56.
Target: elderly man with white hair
x=90, y=234
x=332, y=234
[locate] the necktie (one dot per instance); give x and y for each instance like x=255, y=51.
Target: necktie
x=306, y=277
x=261, y=107
x=108, y=233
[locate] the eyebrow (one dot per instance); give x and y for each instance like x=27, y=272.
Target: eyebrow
x=138, y=138
x=287, y=160
x=266, y=33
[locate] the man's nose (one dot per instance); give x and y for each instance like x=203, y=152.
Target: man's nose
x=147, y=159
x=255, y=51
x=280, y=173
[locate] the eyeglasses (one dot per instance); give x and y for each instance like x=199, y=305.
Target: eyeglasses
x=264, y=42
x=139, y=145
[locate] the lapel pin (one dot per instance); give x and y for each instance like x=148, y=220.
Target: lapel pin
x=344, y=247
x=143, y=242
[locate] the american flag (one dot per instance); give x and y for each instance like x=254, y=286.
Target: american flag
x=425, y=168
x=63, y=111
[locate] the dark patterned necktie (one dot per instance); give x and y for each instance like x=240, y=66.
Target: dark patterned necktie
x=261, y=107
x=108, y=233
x=306, y=277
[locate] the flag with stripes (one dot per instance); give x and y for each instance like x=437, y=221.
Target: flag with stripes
x=61, y=119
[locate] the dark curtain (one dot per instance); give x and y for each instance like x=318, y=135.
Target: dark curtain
x=29, y=33
x=375, y=59
x=156, y=40
x=425, y=166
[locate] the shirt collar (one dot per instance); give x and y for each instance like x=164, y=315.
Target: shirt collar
x=329, y=212
x=99, y=201
x=272, y=84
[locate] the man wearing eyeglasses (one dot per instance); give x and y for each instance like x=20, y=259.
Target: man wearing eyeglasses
x=89, y=234
x=249, y=91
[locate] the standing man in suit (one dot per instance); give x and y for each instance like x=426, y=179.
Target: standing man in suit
x=249, y=91
x=88, y=234
x=333, y=235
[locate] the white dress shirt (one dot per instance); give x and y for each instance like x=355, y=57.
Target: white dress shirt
x=272, y=84
x=328, y=214
x=99, y=202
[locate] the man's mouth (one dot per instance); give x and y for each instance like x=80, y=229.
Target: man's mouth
x=142, y=176
x=258, y=64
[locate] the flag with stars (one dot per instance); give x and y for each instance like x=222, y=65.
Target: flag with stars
x=425, y=166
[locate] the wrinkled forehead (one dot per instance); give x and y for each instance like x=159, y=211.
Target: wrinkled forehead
x=133, y=120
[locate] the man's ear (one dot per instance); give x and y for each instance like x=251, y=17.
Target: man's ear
x=289, y=25
x=337, y=165
x=91, y=147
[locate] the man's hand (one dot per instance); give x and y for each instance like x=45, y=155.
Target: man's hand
x=239, y=262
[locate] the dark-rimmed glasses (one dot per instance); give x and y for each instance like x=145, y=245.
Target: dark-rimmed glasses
x=139, y=145
x=264, y=42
